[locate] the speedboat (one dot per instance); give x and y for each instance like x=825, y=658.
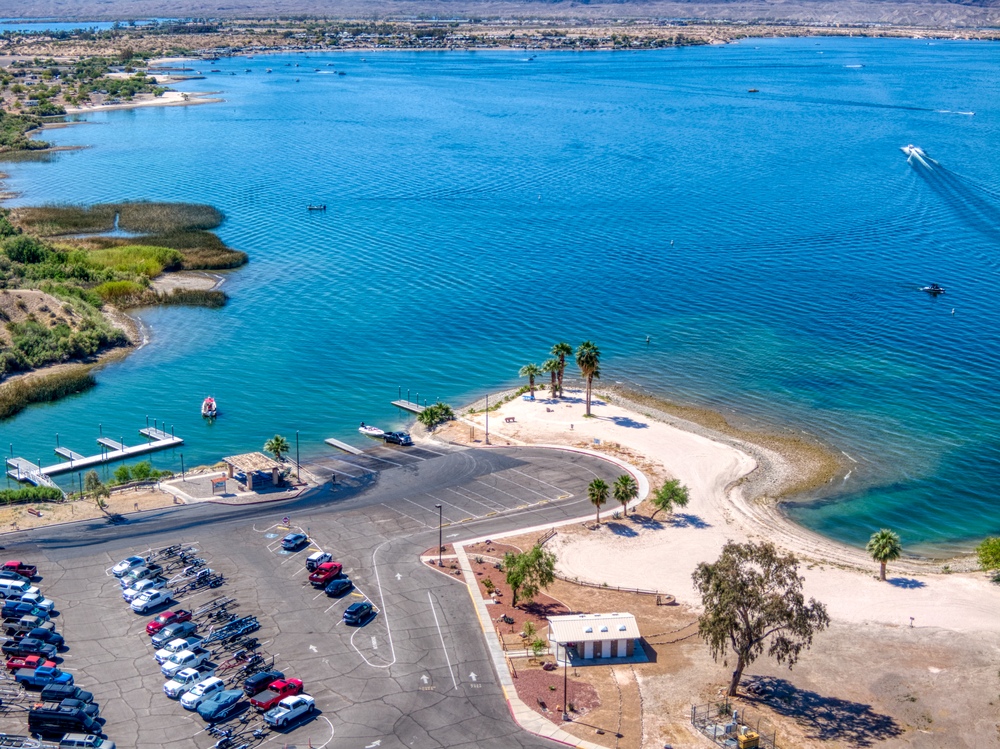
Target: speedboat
x=370, y=431
x=933, y=289
x=208, y=408
x=912, y=150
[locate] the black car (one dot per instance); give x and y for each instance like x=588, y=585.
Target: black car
x=338, y=586
x=46, y=635
x=358, y=612
x=17, y=609
x=60, y=692
x=293, y=541
x=56, y=720
x=259, y=682
x=29, y=646
x=397, y=438
x=89, y=708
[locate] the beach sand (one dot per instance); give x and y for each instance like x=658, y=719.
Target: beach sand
x=732, y=483
x=168, y=99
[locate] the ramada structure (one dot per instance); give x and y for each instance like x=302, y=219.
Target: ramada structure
x=595, y=635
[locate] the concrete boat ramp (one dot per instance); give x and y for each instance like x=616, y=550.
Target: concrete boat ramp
x=22, y=469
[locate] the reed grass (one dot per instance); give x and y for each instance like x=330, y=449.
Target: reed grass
x=167, y=217
x=195, y=298
x=52, y=220
x=200, y=250
x=143, y=217
x=126, y=294
x=142, y=260
x=18, y=394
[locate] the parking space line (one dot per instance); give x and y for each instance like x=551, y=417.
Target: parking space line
x=471, y=499
x=533, y=491
x=425, y=509
x=497, y=488
x=535, y=478
x=450, y=504
x=451, y=670
x=499, y=505
x=426, y=525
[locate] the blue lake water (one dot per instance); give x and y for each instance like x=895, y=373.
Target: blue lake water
x=481, y=206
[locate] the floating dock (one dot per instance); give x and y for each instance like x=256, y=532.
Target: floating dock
x=113, y=450
x=409, y=406
x=343, y=446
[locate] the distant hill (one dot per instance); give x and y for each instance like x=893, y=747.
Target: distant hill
x=927, y=13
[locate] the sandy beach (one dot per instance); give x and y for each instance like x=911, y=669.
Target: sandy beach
x=730, y=482
x=168, y=99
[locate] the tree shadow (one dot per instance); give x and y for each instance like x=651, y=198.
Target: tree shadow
x=620, y=529
x=909, y=583
x=648, y=523
x=550, y=608
x=626, y=421
x=823, y=718
x=687, y=520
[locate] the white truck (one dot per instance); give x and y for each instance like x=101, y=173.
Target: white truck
x=175, y=646
x=192, y=658
x=289, y=709
x=185, y=680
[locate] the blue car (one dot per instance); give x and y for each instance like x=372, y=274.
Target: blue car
x=220, y=706
x=338, y=586
x=358, y=613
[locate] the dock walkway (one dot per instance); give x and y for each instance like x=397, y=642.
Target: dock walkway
x=343, y=446
x=409, y=406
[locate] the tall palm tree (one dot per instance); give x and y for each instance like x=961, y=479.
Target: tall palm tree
x=552, y=367
x=597, y=493
x=531, y=371
x=277, y=445
x=588, y=359
x=561, y=350
x=625, y=490
x=884, y=546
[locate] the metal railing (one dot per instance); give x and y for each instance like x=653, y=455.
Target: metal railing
x=734, y=727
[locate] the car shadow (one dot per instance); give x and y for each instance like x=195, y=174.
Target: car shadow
x=908, y=583
x=823, y=718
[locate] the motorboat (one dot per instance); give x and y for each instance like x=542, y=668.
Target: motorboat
x=370, y=431
x=912, y=150
x=933, y=289
x=321, y=207
x=208, y=408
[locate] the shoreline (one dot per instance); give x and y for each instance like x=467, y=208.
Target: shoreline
x=780, y=468
x=168, y=99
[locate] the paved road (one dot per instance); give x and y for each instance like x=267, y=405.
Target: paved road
x=417, y=675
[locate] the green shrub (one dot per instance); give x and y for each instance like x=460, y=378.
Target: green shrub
x=141, y=260
x=25, y=249
x=30, y=494
x=17, y=395
x=121, y=293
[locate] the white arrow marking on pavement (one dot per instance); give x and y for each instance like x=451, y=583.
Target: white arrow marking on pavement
x=313, y=648
x=424, y=678
x=451, y=535
x=472, y=675
x=375, y=743
x=399, y=576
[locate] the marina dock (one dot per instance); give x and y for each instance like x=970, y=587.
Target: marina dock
x=409, y=406
x=113, y=450
x=343, y=446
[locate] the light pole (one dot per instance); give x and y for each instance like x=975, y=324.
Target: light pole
x=565, y=680
x=487, y=418
x=183, y=477
x=440, y=539
x=297, y=476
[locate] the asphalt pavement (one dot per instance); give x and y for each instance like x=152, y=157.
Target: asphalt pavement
x=418, y=674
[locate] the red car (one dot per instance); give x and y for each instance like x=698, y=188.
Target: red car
x=24, y=570
x=167, y=617
x=29, y=661
x=325, y=573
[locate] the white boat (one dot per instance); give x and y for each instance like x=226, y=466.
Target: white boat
x=912, y=150
x=208, y=408
x=370, y=431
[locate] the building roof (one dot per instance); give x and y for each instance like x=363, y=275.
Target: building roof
x=592, y=627
x=249, y=462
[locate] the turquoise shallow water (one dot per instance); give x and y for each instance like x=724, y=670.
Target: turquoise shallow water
x=482, y=206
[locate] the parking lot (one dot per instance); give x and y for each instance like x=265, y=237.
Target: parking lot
x=415, y=674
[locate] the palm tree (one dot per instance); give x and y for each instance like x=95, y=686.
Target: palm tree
x=625, y=490
x=531, y=371
x=277, y=445
x=884, y=546
x=597, y=493
x=588, y=359
x=561, y=350
x=552, y=367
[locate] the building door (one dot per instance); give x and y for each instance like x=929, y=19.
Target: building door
x=605, y=648
x=622, y=648
x=588, y=650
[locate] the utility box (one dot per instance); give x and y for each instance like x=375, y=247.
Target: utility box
x=748, y=739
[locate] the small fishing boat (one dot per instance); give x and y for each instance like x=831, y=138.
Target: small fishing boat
x=933, y=289
x=753, y=91
x=208, y=408
x=370, y=431
x=912, y=150
x=317, y=207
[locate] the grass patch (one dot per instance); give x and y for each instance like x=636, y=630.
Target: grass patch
x=200, y=250
x=141, y=260
x=125, y=294
x=194, y=298
x=51, y=220
x=143, y=218
x=150, y=218
x=30, y=494
x=122, y=293
x=19, y=394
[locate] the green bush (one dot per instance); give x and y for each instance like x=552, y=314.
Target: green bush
x=25, y=249
x=30, y=494
x=121, y=293
x=141, y=471
x=433, y=415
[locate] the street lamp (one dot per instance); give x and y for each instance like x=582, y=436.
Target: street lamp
x=297, y=476
x=183, y=477
x=565, y=680
x=440, y=540
x=487, y=418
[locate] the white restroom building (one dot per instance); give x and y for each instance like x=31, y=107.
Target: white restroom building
x=595, y=636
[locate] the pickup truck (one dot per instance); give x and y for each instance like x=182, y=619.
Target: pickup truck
x=289, y=709
x=185, y=680
x=166, y=619
x=15, y=610
x=24, y=570
x=29, y=646
x=325, y=573
x=175, y=646
x=60, y=692
x=140, y=573
x=28, y=661
x=41, y=676
x=150, y=599
x=192, y=658
x=26, y=624
x=275, y=693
